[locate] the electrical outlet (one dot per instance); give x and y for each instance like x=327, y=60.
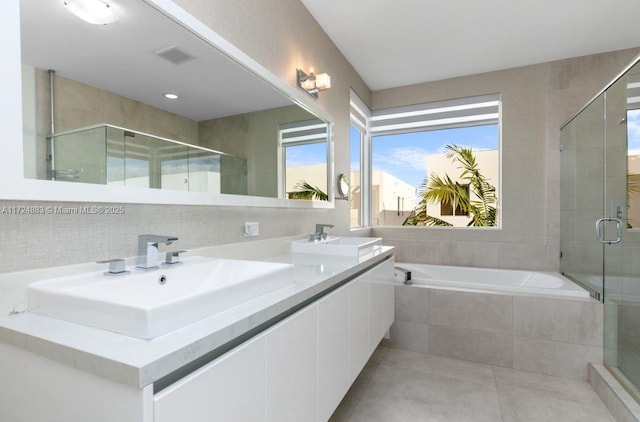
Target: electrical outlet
x=251, y=229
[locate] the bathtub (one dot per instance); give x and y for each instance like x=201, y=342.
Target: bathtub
x=513, y=282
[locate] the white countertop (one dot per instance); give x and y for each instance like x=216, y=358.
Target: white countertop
x=139, y=362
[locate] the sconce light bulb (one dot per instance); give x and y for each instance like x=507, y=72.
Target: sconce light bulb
x=323, y=81
x=308, y=84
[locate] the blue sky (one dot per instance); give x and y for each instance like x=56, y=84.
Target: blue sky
x=306, y=154
x=633, y=132
x=405, y=155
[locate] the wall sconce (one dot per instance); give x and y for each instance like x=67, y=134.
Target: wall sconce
x=96, y=12
x=313, y=83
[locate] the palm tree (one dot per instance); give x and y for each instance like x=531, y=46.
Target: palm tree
x=305, y=191
x=475, y=196
x=633, y=187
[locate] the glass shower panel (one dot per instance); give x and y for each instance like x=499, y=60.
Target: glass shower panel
x=174, y=166
x=79, y=156
x=115, y=156
x=600, y=216
x=582, y=196
x=621, y=267
x=122, y=157
x=233, y=175
x=143, y=160
x=204, y=171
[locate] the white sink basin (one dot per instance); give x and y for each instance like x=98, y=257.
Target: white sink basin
x=139, y=305
x=332, y=245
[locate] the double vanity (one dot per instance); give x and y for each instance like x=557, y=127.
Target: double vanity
x=280, y=336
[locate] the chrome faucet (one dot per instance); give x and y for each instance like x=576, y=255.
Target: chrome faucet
x=406, y=274
x=148, y=249
x=319, y=234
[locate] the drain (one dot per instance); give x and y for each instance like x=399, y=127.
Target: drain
x=162, y=280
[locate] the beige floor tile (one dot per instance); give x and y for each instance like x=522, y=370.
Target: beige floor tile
x=351, y=399
x=397, y=394
x=561, y=388
x=400, y=385
x=531, y=405
x=454, y=368
x=378, y=354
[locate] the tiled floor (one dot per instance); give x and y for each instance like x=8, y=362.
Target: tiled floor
x=398, y=385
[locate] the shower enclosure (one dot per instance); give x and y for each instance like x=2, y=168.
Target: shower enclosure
x=106, y=154
x=600, y=215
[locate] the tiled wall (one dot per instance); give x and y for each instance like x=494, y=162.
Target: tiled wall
x=550, y=336
x=38, y=241
x=536, y=101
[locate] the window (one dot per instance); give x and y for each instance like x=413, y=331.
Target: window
x=304, y=160
x=356, y=138
x=428, y=157
x=359, y=163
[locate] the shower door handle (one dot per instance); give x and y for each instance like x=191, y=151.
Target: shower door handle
x=600, y=224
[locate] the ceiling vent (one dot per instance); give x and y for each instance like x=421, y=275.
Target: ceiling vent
x=174, y=55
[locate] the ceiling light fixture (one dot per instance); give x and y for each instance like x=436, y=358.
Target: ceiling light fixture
x=171, y=96
x=96, y=12
x=313, y=83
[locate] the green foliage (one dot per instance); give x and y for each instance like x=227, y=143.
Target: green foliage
x=305, y=191
x=478, y=200
x=633, y=188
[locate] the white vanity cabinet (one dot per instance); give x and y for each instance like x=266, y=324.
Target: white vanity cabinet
x=297, y=370
x=381, y=302
x=358, y=323
x=292, y=368
x=231, y=388
x=333, y=351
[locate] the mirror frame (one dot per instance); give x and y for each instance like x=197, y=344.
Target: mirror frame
x=343, y=186
x=13, y=184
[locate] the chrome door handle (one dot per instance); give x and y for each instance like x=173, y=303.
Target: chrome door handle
x=599, y=225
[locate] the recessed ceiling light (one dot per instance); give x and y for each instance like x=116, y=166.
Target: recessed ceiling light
x=96, y=12
x=171, y=96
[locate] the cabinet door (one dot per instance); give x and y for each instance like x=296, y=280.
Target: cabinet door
x=359, y=350
x=333, y=351
x=231, y=388
x=292, y=368
x=382, y=302
x=389, y=296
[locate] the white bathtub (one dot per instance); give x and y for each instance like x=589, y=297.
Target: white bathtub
x=494, y=280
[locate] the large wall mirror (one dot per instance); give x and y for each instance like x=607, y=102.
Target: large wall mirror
x=97, y=117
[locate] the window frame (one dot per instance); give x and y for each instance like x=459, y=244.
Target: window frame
x=451, y=113
x=359, y=117
x=284, y=142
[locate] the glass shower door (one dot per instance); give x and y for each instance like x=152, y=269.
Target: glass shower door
x=622, y=201
x=600, y=216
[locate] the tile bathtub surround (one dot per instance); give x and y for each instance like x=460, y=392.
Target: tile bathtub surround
x=549, y=336
x=411, y=386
